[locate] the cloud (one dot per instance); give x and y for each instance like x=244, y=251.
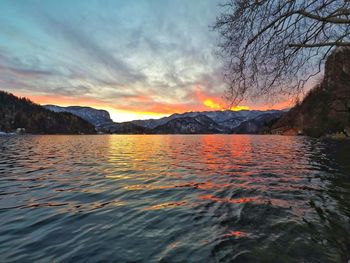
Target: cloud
x=22, y=72
x=118, y=70
x=13, y=65
x=145, y=54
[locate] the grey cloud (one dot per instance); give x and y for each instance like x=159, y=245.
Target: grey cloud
x=26, y=72
x=13, y=65
x=70, y=91
x=118, y=69
x=168, y=42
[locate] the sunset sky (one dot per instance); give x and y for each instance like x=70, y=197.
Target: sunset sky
x=136, y=59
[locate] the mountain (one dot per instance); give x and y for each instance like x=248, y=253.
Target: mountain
x=189, y=125
x=199, y=122
x=124, y=128
x=93, y=116
x=22, y=113
x=259, y=124
x=226, y=119
x=326, y=108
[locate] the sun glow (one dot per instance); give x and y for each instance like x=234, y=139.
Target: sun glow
x=139, y=108
x=239, y=108
x=216, y=106
x=121, y=115
x=211, y=104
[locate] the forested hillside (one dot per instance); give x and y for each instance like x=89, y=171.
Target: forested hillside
x=22, y=113
x=326, y=108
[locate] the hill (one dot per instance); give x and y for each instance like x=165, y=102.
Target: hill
x=18, y=112
x=326, y=108
x=94, y=116
x=189, y=125
x=124, y=128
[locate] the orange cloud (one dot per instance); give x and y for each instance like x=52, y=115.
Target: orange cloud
x=215, y=103
x=209, y=101
x=144, y=107
x=288, y=103
x=139, y=107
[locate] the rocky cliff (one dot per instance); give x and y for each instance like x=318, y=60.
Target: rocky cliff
x=94, y=116
x=326, y=108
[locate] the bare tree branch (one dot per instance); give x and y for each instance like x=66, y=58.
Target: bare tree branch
x=339, y=44
x=270, y=47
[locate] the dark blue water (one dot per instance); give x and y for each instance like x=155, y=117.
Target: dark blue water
x=156, y=198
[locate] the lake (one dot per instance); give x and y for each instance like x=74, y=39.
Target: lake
x=174, y=198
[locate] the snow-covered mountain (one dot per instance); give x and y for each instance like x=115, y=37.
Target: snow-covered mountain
x=227, y=119
x=189, y=125
x=93, y=116
x=200, y=122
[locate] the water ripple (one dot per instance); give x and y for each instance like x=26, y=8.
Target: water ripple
x=157, y=198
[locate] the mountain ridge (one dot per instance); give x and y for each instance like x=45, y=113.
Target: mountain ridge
x=226, y=121
x=197, y=122
x=22, y=114
x=96, y=117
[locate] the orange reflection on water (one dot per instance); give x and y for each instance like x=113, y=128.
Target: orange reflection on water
x=148, y=187
x=166, y=205
x=211, y=185
x=227, y=200
x=205, y=166
x=203, y=186
x=72, y=206
x=236, y=234
x=237, y=150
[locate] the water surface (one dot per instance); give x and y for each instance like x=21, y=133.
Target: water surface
x=173, y=198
